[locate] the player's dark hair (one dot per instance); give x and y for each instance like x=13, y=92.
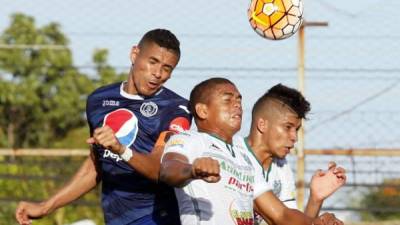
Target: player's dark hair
x=164, y=38
x=203, y=91
x=287, y=96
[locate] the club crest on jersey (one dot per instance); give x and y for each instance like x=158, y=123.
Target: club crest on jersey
x=277, y=188
x=124, y=123
x=148, y=109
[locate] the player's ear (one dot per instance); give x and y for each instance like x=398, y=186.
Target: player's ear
x=262, y=125
x=201, y=110
x=134, y=53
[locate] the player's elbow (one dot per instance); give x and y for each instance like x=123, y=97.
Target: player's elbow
x=168, y=176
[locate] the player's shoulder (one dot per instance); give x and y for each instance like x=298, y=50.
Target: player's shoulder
x=187, y=134
x=183, y=137
x=105, y=90
x=170, y=102
x=169, y=94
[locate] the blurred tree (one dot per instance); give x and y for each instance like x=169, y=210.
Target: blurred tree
x=107, y=74
x=385, y=198
x=42, y=104
x=42, y=95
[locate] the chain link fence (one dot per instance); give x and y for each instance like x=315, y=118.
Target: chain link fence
x=351, y=67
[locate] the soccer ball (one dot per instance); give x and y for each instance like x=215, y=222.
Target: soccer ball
x=275, y=19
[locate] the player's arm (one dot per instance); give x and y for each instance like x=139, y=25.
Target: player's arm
x=272, y=209
x=149, y=164
x=322, y=185
x=146, y=164
x=177, y=171
x=84, y=180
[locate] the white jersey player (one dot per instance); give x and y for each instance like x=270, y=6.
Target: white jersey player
x=230, y=201
x=276, y=118
x=218, y=181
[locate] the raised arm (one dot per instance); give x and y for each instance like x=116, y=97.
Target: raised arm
x=84, y=180
x=323, y=184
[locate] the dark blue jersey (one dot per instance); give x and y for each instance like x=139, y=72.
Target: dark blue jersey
x=127, y=196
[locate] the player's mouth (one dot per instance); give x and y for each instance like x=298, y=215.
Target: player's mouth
x=153, y=84
x=287, y=149
x=237, y=115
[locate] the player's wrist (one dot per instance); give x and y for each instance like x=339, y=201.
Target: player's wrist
x=47, y=207
x=315, y=198
x=126, y=153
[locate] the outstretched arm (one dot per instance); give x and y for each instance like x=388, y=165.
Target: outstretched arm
x=273, y=210
x=176, y=171
x=323, y=184
x=82, y=182
x=146, y=164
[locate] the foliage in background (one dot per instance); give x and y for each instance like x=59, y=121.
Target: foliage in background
x=37, y=178
x=42, y=103
x=42, y=94
x=385, y=197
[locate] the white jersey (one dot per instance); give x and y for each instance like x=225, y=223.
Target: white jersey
x=229, y=201
x=281, y=178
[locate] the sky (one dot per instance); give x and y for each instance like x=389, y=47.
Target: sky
x=352, y=77
x=352, y=67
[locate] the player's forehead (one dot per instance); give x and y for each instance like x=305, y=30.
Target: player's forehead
x=287, y=116
x=151, y=48
x=227, y=90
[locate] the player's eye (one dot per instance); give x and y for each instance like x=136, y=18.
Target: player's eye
x=167, y=69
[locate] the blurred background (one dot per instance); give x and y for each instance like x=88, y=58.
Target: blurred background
x=54, y=53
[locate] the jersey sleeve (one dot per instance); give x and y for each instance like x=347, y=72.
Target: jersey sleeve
x=288, y=193
x=184, y=144
x=89, y=108
x=179, y=118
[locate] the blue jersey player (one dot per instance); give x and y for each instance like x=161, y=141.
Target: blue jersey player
x=125, y=122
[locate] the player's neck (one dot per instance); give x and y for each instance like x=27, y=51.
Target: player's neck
x=129, y=87
x=261, y=151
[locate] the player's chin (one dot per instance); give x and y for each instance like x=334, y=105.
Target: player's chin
x=236, y=126
x=283, y=154
x=149, y=91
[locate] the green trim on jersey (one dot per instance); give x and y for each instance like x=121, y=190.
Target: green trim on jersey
x=228, y=146
x=246, y=142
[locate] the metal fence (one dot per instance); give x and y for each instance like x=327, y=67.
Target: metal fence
x=352, y=75
x=47, y=169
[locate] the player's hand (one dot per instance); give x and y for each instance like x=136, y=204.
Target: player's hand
x=207, y=169
x=325, y=183
x=327, y=219
x=26, y=211
x=105, y=136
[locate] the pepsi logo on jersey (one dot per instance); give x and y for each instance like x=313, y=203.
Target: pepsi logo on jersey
x=124, y=123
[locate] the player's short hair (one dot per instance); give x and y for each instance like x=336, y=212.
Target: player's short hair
x=162, y=37
x=289, y=97
x=202, y=92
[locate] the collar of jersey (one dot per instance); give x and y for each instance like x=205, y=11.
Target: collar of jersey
x=134, y=97
x=228, y=146
x=246, y=142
